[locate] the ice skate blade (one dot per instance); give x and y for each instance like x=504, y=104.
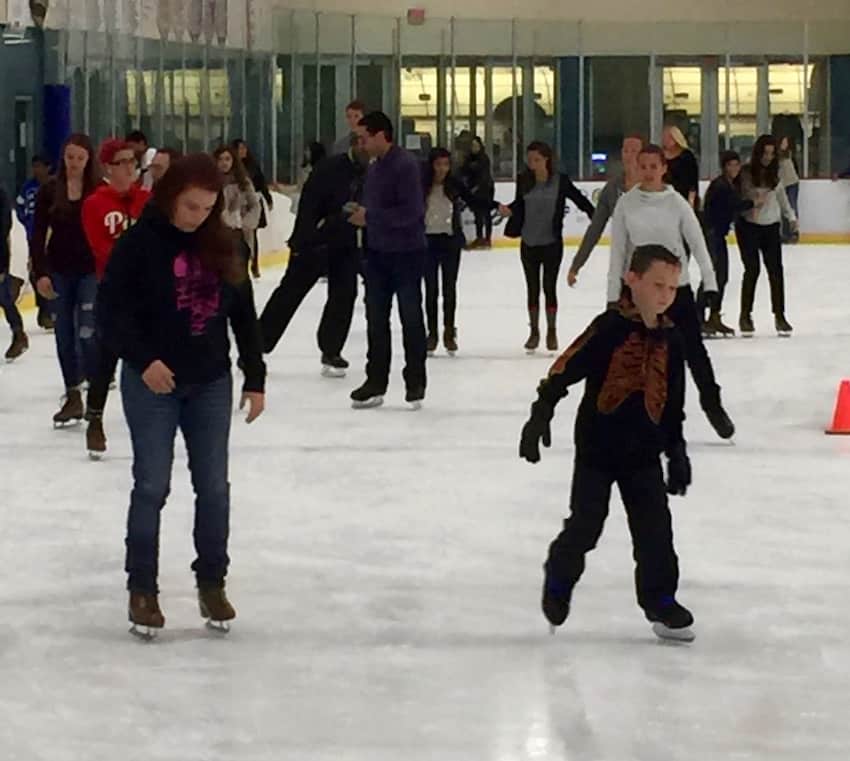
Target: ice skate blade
x=415, y=406
x=96, y=456
x=67, y=423
x=552, y=630
x=375, y=401
x=219, y=627
x=674, y=635
x=747, y=335
x=451, y=353
x=332, y=372
x=783, y=334
x=144, y=633
x=531, y=352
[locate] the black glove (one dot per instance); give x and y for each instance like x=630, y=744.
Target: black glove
x=535, y=431
x=678, y=470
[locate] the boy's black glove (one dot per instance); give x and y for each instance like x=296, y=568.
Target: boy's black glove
x=678, y=470
x=535, y=431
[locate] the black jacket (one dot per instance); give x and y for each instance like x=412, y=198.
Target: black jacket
x=321, y=222
x=683, y=175
x=723, y=203
x=478, y=176
x=461, y=198
x=566, y=189
x=634, y=393
x=157, y=302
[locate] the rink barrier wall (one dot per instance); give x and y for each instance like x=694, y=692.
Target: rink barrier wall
x=824, y=219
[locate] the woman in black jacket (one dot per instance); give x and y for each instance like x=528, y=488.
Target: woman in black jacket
x=477, y=175
x=258, y=179
x=537, y=218
x=444, y=200
x=170, y=290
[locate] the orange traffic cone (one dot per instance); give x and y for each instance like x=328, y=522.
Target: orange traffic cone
x=841, y=418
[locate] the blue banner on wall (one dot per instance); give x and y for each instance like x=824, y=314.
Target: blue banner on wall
x=57, y=119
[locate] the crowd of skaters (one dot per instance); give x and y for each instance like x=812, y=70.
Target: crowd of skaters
x=145, y=256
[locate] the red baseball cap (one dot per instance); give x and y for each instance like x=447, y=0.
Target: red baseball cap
x=111, y=146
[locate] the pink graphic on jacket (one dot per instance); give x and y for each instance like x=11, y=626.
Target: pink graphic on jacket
x=197, y=291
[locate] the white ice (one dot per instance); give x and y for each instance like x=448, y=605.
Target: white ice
x=386, y=565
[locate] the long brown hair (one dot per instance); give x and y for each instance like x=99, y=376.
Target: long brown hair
x=545, y=150
x=91, y=177
x=238, y=170
x=215, y=244
x=765, y=176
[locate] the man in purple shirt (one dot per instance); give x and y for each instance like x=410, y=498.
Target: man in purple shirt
x=393, y=213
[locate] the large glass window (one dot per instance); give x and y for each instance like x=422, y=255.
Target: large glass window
x=682, y=93
x=419, y=104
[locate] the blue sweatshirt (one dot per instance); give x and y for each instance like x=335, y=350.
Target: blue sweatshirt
x=395, y=207
x=25, y=205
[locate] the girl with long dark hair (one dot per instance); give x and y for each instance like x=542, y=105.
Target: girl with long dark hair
x=477, y=174
x=170, y=290
x=537, y=218
x=759, y=231
x=242, y=208
x=444, y=199
x=64, y=268
x=258, y=180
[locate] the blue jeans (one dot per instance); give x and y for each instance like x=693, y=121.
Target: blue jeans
x=203, y=414
x=73, y=313
x=7, y=304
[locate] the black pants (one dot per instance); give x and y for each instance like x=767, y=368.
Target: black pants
x=683, y=313
x=766, y=239
x=645, y=499
x=107, y=363
x=303, y=272
x=443, y=255
x=399, y=274
x=548, y=258
x=483, y=224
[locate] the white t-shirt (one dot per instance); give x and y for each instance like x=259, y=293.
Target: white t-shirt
x=663, y=218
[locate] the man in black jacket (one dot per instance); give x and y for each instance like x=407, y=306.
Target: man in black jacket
x=10, y=286
x=322, y=243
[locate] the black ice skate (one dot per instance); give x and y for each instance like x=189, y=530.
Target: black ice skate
x=746, y=325
x=671, y=621
x=431, y=343
x=95, y=436
x=368, y=395
x=720, y=421
x=333, y=367
x=414, y=396
x=714, y=327
x=783, y=327
x=145, y=616
x=20, y=343
x=215, y=607
x=450, y=341
x=71, y=410
x=555, y=602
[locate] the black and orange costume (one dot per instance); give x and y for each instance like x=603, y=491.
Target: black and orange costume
x=632, y=411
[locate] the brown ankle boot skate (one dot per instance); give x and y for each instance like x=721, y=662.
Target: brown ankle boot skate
x=145, y=615
x=215, y=607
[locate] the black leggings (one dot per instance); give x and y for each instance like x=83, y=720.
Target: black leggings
x=548, y=258
x=766, y=239
x=483, y=224
x=443, y=254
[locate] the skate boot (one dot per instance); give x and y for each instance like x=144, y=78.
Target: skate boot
x=720, y=421
x=671, y=620
x=333, y=367
x=716, y=326
x=414, y=396
x=450, y=340
x=72, y=409
x=20, y=343
x=95, y=437
x=555, y=602
x=368, y=395
x=534, y=336
x=708, y=329
x=432, y=342
x=746, y=325
x=783, y=327
x=551, y=331
x=215, y=607
x=146, y=618
x=45, y=321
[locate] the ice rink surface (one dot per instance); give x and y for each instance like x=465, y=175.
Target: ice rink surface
x=386, y=564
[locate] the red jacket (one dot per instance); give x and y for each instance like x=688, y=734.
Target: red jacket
x=107, y=215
